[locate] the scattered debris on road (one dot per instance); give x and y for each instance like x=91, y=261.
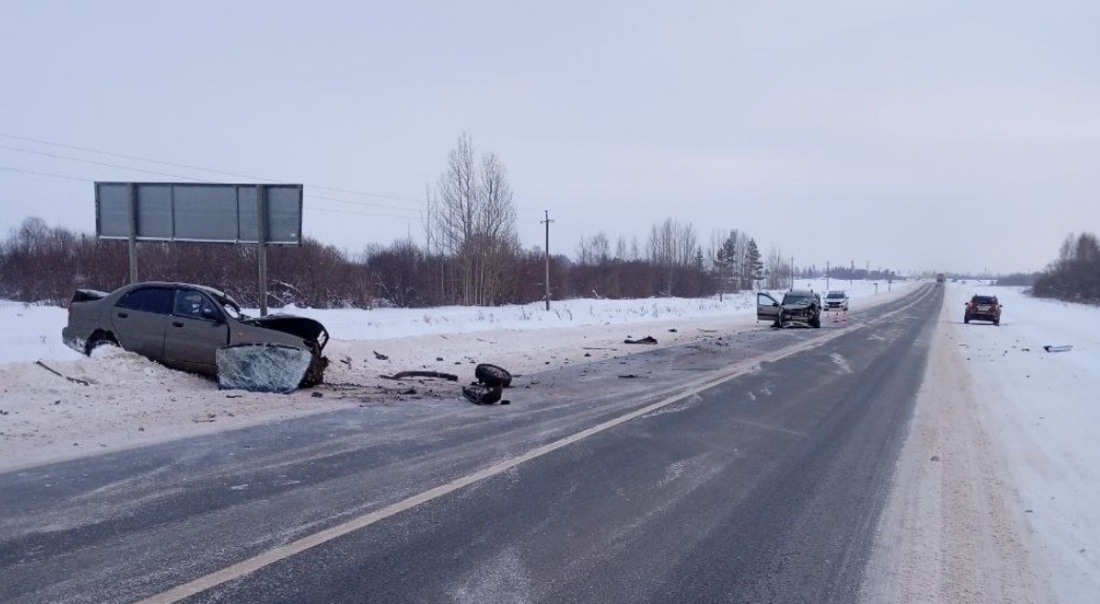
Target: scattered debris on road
x=402, y=375
x=490, y=385
x=1060, y=348
x=61, y=375
x=493, y=375
x=645, y=340
x=380, y=356
x=482, y=395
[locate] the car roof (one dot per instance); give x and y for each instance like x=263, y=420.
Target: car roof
x=176, y=284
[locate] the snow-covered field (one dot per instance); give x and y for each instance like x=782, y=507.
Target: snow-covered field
x=132, y=401
x=997, y=488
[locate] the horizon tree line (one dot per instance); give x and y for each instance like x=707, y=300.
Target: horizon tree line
x=471, y=256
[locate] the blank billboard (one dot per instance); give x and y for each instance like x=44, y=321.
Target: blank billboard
x=216, y=213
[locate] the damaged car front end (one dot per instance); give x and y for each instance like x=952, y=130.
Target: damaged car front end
x=799, y=308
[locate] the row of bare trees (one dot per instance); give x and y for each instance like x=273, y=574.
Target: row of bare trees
x=39, y=263
x=43, y=264
x=1075, y=275
x=472, y=256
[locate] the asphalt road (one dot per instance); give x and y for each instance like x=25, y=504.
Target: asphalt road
x=749, y=467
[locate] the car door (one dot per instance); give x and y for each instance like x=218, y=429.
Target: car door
x=196, y=331
x=138, y=320
x=767, y=307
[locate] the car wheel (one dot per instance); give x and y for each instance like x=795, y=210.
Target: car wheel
x=493, y=375
x=966, y=319
x=997, y=322
x=815, y=323
x=98, y=339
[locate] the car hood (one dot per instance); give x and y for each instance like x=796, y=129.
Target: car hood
x=303, y=327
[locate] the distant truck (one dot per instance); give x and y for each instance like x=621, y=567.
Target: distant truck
x=940, y=278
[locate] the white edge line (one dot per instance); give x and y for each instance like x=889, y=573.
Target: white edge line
x=282, y=552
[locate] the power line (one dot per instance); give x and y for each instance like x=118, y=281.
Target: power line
x=51, y=175
x=307, y=199
x=334, y=211
x=98, y=163
x=201, y=168
x=159, y=173
x=359, y=203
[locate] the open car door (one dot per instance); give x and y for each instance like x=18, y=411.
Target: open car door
x=767, y=307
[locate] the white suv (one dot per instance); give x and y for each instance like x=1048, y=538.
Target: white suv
x=836, y=300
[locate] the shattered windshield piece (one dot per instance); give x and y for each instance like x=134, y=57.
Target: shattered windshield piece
x=262, y=367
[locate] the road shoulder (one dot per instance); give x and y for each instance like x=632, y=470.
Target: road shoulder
x=953, y=529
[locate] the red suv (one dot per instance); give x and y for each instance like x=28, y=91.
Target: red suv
x=983, y=308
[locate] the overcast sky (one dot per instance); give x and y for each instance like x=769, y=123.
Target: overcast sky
x=915, y=135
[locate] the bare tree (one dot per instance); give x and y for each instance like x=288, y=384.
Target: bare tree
x=620, y=248
x=778, y=272
x=474, y=224
x=595, y=250
x=496, y=229
x=672, y=247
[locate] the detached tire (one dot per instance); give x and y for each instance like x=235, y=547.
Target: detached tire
x=493, y=375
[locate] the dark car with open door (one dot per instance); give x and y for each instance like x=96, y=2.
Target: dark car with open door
x=799, y=308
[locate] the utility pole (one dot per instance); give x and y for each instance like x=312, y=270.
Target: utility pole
x=792, y=272
x=546, y=281
x=826, y=275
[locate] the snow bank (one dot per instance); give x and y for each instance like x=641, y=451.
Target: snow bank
x=36, y=333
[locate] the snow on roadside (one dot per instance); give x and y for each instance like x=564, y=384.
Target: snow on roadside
x=36, y=330
x=997, y=487
x=131, y=401
x=1044, y=412
x=33, y=332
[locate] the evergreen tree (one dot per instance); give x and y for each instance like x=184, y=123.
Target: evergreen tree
x=753, y=269
x=725, y=264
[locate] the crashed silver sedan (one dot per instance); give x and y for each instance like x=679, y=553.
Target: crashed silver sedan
x=183, y=326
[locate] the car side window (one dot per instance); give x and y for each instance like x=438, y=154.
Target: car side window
x=193, y=304
x=148, y=299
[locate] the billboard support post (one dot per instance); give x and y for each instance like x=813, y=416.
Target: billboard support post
x=261, y=244
x=132, y=191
